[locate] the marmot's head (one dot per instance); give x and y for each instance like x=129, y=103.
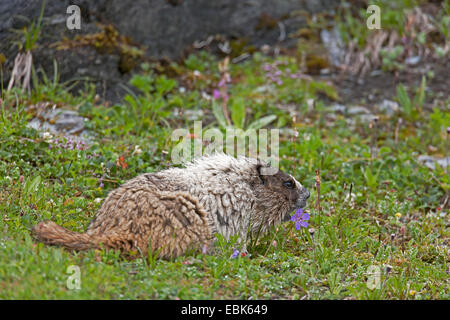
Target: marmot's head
x=277, y=196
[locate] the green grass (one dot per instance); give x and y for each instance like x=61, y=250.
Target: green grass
x=378, y=208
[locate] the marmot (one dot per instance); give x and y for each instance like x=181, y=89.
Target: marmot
x=177, y=209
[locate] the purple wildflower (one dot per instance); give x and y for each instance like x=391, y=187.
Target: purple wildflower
x=267, y=67
x=101, y=182
x=235, y=254
x=216, y=94
x=300, y=219
x=221, y=83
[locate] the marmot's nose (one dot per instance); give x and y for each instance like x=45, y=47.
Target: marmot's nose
x=305, y=192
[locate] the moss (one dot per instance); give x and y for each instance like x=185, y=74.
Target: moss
x=240, y=46
x=266, y=22
x=108, y=41
x=307, y=33
x=315, y=63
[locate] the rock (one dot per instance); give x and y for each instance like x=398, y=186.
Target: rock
x=355, y=110
x=188, y=114
x=430, y=161
x=291, y=108
x=337, y=108
x=389, y=107
x=367, y=117
x=376, y=73
x=163, y=29
x=412, y=61
x=60, y=122
x=333, y=42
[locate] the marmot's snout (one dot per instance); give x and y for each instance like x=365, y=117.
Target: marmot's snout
x=302, y=198
x=305, y=193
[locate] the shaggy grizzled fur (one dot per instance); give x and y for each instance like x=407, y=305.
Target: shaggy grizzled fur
x=181, y=208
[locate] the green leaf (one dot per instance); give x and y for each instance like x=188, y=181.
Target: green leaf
x=164, y=85
x=238, y=112
x=219, y=115
x=404, y=100
x=420, y=95
x=32, y=186
x=142, y=82
x=325, y=88
x=262, y=122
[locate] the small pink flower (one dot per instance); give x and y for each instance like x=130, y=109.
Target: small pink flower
x=267, y=67
x=221, y=83
x=216, y=94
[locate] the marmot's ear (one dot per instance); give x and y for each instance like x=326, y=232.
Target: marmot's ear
x=265, y=169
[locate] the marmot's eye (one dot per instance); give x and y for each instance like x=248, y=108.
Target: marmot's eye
x=288, y=184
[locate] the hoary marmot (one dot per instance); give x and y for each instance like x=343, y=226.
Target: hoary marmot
x=177, y=209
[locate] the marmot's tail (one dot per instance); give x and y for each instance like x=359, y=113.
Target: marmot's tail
x=50, y=233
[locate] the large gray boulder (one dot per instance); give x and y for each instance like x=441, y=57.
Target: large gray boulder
x=163, y=29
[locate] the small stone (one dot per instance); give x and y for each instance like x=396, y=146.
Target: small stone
x=376, y=73
x=412, y=60
x=310, y=103
x=389, y=107
x=338, y=108
x=57, y=121
x=265, y=48
x=430, y=161
x=192, y=114
x=367, y=117
x=357, y=110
